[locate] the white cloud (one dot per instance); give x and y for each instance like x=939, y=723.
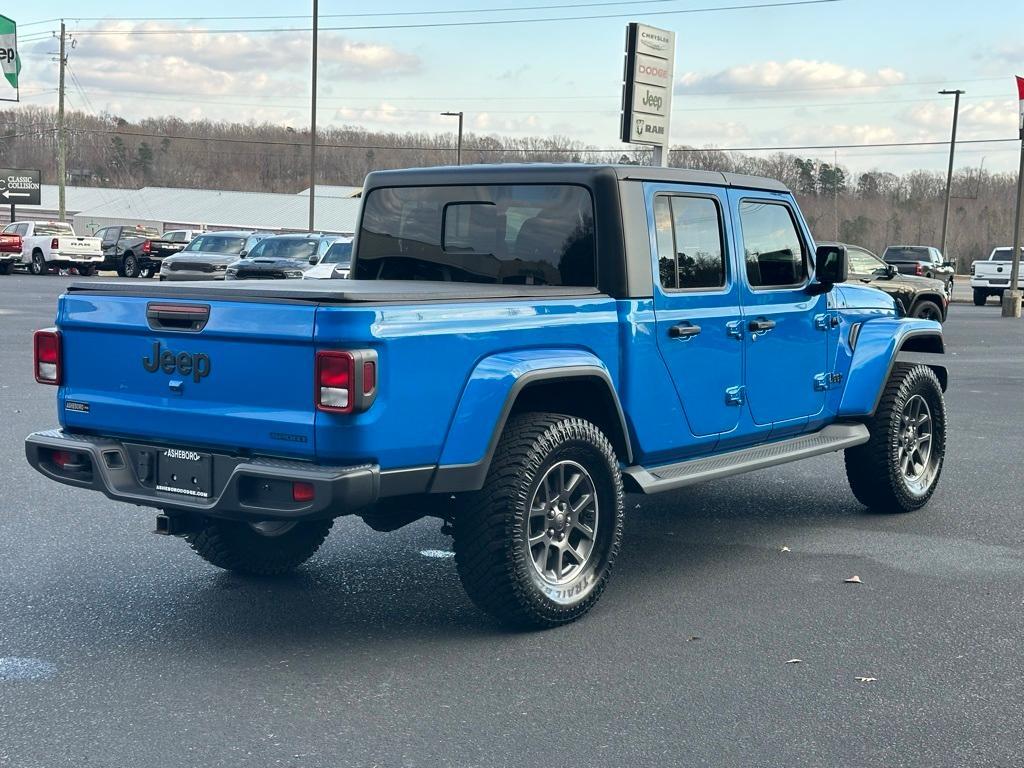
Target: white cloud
x=777, y=77
x=997, y=118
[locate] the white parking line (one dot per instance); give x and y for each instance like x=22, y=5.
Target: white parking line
x=19, y=668
x=440, y=554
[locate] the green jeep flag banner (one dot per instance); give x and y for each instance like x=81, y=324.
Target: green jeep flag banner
x=9, y=52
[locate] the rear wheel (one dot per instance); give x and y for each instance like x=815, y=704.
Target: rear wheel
x=6, y=267
x=535, y=547
x=980, y=297
x=927, y=310
x=86, y=270
x=129, y=266
x=38, y=265
x=898, y=468
x=267, y=548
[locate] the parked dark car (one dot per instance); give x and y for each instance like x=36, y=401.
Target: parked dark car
x=921, y=261
x=135, y=250
x=921, y=297
x=281, y=257
x=208, y=255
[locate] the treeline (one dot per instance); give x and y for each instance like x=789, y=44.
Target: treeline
x=874, y=209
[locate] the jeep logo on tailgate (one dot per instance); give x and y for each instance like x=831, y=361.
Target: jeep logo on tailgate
x=185, y=363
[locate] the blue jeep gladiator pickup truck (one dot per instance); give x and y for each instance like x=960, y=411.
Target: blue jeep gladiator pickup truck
x=518, y=347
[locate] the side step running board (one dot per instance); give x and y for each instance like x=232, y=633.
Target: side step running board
x=668, y=477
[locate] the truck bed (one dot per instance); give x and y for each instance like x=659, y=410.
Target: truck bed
x=332, y=291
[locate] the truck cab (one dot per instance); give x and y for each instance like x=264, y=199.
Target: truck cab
x=516, y=347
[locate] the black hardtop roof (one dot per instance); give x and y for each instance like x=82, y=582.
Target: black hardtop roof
x=567, y=173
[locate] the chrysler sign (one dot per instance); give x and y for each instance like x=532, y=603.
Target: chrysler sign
x=647, y=86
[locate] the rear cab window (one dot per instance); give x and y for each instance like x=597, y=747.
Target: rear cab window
x=529, y=234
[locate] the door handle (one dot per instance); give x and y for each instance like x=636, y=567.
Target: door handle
x=761, y=325
x=683, y=331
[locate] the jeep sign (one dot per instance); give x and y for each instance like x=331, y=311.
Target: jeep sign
x=10, y=62
x=647, y=87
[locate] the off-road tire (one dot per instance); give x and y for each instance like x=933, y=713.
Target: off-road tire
x=980, y=297
x=873, y=468
x=129, y=266
x=491, y=528
x=928, y=310
x=38, y=265
x=239, y=547
x=6, y=268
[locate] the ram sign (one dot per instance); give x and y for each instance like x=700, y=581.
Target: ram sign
x=647, y=86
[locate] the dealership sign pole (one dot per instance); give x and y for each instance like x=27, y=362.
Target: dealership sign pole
x=1012, y=297
x=647, y=88
x=9, y=56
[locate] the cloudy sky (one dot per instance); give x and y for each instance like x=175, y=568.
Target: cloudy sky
x=844, y=72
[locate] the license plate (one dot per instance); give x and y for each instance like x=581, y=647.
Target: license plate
x=189, y=473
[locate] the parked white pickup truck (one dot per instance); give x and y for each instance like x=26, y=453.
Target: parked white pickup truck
x=991, y=276
x=47, y=245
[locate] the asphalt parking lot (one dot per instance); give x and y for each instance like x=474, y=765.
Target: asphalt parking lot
x=121, y=648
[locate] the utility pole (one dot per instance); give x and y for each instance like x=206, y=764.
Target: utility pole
x=458, y=149
x=949, y=174
x=1012, y=296
x=62, y=141
x=312, y=123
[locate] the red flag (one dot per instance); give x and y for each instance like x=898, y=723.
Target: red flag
x=1020, y=88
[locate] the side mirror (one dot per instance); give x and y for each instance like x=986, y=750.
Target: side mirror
x=891, y=271
x=243, y=253
x=831, y=266
x=313, y=259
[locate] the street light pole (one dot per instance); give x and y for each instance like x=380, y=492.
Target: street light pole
x=458, y=151
x=312, y=123
x=949, y=174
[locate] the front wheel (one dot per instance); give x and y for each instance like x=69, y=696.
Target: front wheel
x=535, y=546
x=928, y=310
x=898, y=468
x=266, y=548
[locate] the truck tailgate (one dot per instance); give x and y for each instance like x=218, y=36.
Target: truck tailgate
x=78, y=246
x=131, y=368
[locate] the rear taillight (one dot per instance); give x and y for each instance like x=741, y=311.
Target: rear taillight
x=346, y=382
x=46, y=353
x=147, y=246
x=918, y=270
x=54, y=244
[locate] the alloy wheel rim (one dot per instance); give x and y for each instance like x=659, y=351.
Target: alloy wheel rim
x=562, y=523
x=914, y=445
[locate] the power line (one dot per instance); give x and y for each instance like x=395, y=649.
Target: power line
x=374, y=14
x=432, y=25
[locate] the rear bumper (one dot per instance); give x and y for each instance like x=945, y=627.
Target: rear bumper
x=244, y=488
x=77, y=258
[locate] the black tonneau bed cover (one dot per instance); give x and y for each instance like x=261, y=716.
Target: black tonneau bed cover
x=333, y=291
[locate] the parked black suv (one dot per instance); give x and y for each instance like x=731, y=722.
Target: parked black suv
x=919, y=296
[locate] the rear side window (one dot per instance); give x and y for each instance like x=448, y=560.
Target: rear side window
x=689, y=235
x=773, y=251
x=537, y=234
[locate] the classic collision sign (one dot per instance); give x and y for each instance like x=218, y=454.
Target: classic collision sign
x=19, y=187
x=647, y=87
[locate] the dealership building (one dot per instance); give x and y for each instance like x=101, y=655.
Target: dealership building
x=92, y=208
